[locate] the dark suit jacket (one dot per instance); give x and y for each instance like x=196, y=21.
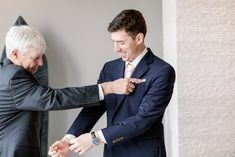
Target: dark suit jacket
x=134, y=122
x=21, y=101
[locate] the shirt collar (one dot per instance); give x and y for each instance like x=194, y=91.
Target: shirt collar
x=138, y=58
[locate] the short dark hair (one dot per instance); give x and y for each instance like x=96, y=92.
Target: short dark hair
x=131, y=21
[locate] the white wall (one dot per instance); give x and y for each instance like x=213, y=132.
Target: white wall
x=170, y=55
x=206, y=77
x=77, y=42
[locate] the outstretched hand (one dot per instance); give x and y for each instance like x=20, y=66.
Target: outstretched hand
x=59, y=148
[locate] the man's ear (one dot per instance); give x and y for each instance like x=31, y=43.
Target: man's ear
x=14, y=54
x=140, y=38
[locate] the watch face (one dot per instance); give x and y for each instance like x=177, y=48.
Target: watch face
x=96, y=142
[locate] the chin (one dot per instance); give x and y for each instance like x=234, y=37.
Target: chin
x=34, y=71
x=124, y=59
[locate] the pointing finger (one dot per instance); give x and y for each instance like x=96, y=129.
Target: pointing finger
x=137, y=81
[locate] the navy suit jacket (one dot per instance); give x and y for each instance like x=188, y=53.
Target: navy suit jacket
x=134, y=122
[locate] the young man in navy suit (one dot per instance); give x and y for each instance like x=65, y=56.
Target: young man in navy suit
x=134, y=122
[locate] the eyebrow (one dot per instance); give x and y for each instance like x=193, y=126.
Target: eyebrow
x=119, y=41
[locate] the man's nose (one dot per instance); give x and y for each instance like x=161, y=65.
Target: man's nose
x=40, y=62
x=117, y=48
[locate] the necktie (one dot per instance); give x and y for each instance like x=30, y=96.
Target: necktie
x=129, y=70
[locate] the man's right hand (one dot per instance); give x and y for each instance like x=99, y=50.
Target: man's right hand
x=59, y=148
x=120, y=86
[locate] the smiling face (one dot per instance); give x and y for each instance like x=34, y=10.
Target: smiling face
x=125, y=45
x=30, y=60
x=25, y=47
x=128, y=30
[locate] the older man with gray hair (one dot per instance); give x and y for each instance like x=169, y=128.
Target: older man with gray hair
x=22, y=98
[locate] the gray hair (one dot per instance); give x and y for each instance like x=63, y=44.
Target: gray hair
x=22, y=38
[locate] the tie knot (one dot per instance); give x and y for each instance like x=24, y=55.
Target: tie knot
x=129, y=70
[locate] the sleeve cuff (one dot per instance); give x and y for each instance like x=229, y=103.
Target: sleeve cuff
x=69, y=136
x=102, y=136
x=101, y=93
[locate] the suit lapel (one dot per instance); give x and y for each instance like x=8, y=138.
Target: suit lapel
x=143, y=65
x=139, y=71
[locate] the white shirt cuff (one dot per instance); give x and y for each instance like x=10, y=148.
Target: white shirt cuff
x=69, y=136
x=101, y=93
x=102, y=136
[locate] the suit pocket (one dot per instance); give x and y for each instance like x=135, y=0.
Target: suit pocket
x=140, y=89
x=27, y=152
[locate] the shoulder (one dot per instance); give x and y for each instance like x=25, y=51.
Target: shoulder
x=12, y=71
x=8, y=71
x=159, y=63
x=162, y=63
x=113, y=63
x=17, y=70
x=158, y=67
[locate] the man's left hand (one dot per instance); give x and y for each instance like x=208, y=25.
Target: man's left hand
x=81, y=144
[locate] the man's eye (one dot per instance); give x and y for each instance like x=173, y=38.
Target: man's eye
x=34, y=59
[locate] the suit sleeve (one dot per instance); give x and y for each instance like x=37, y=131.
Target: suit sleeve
x=29, y=95
x=88, y=117
x=86, y=120
x=150, y=110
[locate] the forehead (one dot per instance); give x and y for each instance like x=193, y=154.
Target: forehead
x=120, y=35
x=32, y=52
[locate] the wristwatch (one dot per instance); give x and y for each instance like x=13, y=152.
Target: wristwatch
x=95, y=140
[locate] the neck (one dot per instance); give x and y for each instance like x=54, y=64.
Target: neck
x=139, y=50
x=14, y=61
x=142, y=47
